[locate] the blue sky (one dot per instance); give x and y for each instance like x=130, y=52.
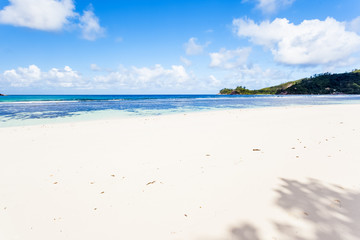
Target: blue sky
x=168, y=46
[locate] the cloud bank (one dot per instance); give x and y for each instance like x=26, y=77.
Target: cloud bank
x=33, y=76
x=156, y=77
x=312, y=42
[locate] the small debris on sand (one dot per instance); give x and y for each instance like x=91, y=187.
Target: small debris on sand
x=185, y=215
x=102, y=192
x=256, y=150
x=55, y=183
x=150, y=183
x=297, y=156
x=336, y=203
x=95, y=208
x=113, y=175
x=208, y=155
x=339, y=186
x=305, y=213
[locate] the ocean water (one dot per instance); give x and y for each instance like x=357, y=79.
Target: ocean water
x=16, y=110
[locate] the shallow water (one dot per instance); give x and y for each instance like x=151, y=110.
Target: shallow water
x=18, y=110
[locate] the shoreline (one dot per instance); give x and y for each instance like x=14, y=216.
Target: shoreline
x=116, y=115
x=253, y=174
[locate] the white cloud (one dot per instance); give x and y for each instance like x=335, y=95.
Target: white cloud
x=312, y=42
x=214, y=81
x=256, y=77
x=271, y=6
x=156, y=77
x=354, y=25
x=51, y=15
x=90, y=26
x=33, y=76
x=193, y=48
x=186, y=61
x=228, y=59
x=94, y=67
x=48, y=15
x=63, y=78
x=145, y=78
x=23, y=77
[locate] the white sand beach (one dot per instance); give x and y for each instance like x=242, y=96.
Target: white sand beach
x=250, y=174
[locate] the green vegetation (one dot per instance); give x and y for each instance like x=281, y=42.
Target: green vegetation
x=326, y=83
x=239, y=90
x=269, y=90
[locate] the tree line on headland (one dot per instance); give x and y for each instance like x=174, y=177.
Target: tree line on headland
x=326, y=83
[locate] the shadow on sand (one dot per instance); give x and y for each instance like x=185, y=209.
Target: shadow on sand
x=332, y=212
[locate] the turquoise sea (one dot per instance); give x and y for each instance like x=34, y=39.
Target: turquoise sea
x=16, y=110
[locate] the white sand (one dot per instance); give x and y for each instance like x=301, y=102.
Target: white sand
x=207, y=183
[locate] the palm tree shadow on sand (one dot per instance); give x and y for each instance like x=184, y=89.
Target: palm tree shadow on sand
x=332, y=212
x=246, y=232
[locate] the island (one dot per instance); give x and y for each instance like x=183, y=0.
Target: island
x=2, y=94
x=325, y=83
